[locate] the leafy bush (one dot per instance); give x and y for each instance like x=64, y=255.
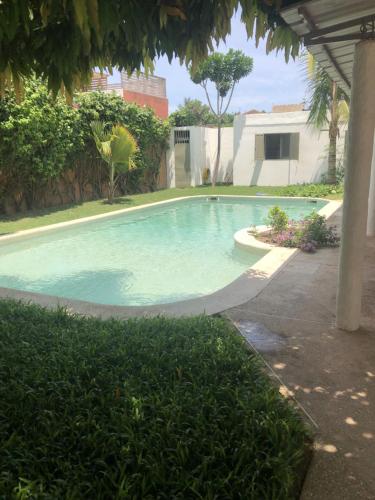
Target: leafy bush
x=309, y=234
x=312, y=190
x=150, y=132
x=146, y=408
x=316, y=229
x=277, y=219
x=38, y=138
x=45, y=143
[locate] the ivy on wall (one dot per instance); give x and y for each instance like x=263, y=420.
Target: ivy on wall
x=47, y=153
x=150, y=132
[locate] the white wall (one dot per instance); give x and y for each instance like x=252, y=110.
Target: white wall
x=203, y=147
x=238, y=151
x=225, y=172
x=313, y=150
x=171, y=180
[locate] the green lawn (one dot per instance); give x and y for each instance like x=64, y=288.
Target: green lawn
x=66, y=213
x=147, y=408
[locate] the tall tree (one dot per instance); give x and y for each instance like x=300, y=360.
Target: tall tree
x=328, y=106
x=194, y=112
x=224, y=71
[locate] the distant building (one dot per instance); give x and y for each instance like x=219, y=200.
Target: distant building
x=287, y=108
x=252, y=112
x=263, y=149
x=144, y=91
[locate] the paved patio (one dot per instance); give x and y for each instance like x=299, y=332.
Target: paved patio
x=331, y=373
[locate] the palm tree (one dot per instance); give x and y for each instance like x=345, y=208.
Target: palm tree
x=328, y=105
x=117, y=148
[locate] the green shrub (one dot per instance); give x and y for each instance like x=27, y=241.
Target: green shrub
x=316, y=230
x=277, y=219
x=150, y=132
x=308, y=235
x=312, y=190
x=38, y=139
x=42, y=137
x=147, y=408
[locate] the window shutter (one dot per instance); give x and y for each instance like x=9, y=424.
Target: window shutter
x=294, y=146
x=259, y=147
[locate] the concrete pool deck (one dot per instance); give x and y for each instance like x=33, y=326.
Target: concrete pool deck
x=331, y=373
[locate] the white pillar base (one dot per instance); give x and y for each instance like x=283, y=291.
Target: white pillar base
x=356, y=193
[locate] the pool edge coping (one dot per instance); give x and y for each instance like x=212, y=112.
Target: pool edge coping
x=248, y=285
x=73, y=222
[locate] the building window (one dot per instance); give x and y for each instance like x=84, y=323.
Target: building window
x=277, y=146
x=182, y=136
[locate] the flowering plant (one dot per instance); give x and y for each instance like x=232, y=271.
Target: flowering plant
x=309, y=234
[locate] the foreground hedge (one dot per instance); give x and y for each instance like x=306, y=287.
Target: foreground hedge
x=148, y=408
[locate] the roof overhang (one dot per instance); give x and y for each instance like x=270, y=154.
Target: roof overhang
x=330, y=29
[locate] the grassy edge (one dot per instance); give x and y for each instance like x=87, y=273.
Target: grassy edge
x=302, y=468
x=64, y=213
x=308, y=451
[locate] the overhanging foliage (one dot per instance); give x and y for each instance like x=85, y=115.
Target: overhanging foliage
x=64, y=40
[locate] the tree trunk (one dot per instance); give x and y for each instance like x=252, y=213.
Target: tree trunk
x=217, y=161
x=333, y=133
x=111, y=187
x=331, y=174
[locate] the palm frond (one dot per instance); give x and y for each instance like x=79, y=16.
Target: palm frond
x=123, y=147
x=310, y=65
x=320, y=97
x=117, y=147
x=102, y=140
x=343, y=110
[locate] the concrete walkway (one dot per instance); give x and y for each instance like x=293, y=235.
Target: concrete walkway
x=331, y=373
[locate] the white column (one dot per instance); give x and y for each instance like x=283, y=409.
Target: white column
x=356, y=192
x=371, y=198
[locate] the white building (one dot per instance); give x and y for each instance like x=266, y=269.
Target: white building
x=277, y=149
x=264, y=149
x=193, y=149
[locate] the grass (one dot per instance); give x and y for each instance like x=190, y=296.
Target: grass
x=65, y=213
x=147, y=408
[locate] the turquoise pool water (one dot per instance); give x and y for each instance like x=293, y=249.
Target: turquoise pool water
x=158, y=254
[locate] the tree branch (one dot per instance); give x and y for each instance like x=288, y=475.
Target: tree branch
x=230, y=98
x=208, y=98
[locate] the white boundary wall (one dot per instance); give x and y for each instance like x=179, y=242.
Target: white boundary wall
x=203, y=147
x=312, y=154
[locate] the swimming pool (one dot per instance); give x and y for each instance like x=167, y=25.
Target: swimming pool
x=158, y=254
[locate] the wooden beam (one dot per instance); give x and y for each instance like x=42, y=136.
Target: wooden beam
x=334, y=39
x=312, y=27
x=339, y=27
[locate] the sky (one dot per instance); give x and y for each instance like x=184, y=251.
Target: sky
x=272, y=81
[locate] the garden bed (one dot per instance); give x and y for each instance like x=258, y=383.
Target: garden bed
x=147, y=408
x=308, y=234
